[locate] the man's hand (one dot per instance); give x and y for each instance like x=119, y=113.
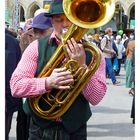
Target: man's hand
x=60, y=78
x=76, y=51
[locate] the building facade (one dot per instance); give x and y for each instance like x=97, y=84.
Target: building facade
x=124, y=13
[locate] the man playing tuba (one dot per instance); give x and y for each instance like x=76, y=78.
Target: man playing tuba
x=25, y=83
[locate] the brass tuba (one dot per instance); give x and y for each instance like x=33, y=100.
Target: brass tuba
x=84, y=14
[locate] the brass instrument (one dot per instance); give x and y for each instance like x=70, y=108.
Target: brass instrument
x=84, y=14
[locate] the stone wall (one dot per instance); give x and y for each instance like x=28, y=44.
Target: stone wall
x=29, y=6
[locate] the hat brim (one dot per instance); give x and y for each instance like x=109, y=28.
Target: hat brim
x=51, y=14
x=42, y=27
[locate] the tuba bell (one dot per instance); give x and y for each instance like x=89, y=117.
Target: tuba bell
x=84, y=14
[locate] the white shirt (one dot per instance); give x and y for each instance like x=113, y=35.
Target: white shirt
x=121, y=49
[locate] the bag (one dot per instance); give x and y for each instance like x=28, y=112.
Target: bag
x=115, y=64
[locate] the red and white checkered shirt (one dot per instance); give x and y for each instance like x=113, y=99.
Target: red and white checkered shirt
x=24, y=84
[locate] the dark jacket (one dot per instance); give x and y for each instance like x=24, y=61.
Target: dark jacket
x=115, y=48
x=12, y=57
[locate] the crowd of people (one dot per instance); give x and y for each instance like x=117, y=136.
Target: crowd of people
x=30, y=48
x=121, y=50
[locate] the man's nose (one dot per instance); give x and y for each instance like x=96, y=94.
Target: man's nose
x=66, y=24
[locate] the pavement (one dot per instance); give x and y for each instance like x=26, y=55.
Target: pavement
x=110, y=118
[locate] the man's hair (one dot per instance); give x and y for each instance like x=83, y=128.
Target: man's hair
x=107, y=30
x=118, y=37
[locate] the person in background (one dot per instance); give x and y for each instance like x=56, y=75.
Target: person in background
x=12, y=57
x=27, y=25
x=131, y=36
x=7, y=25
x=124, y=38
x=12, y=31
x=128, y=66
x=90, y=38
x=121, y=51
x=108, y=52
x=133, y=79
x=40, y=27
x=96, y=40
x=114, y=56
x=20, y=31
x=24, y=82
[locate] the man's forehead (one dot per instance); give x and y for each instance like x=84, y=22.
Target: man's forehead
x=59, y=16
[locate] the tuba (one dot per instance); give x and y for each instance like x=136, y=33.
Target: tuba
x=84, y=14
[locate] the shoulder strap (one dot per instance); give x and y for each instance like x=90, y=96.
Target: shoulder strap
x=106, y=40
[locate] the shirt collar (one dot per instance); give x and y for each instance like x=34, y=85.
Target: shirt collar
x=53, y=37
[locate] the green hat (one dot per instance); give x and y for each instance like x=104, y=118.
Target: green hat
x=56, y=8
x=120, y=32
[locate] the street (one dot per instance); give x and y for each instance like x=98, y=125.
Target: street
x=111, y=117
